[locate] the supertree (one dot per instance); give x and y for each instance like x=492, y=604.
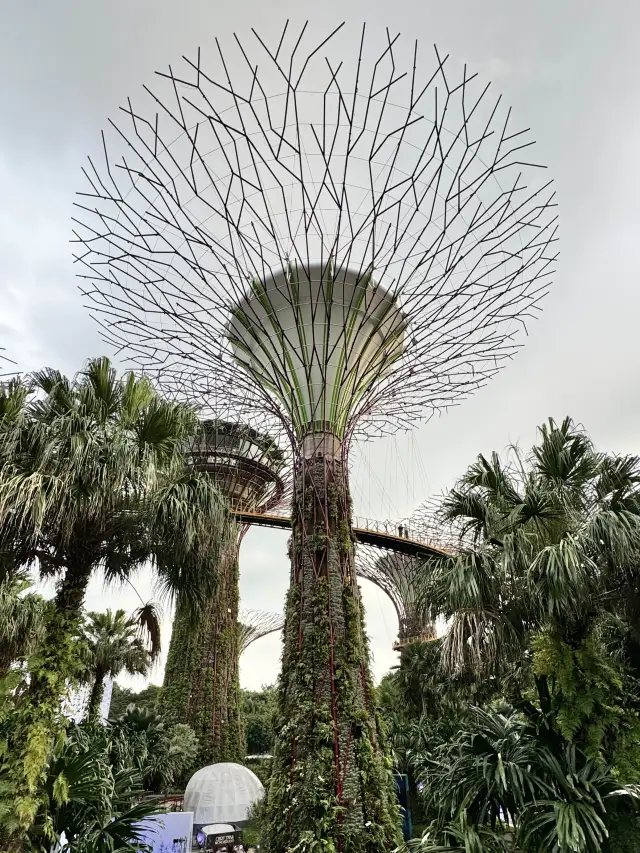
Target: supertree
x=401, y=577
x=201, y=679
x=254, y=624
x=322, y=235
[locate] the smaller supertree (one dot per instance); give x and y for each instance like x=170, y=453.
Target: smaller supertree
x=401, y=577
x=201, y=678
x=254, y=624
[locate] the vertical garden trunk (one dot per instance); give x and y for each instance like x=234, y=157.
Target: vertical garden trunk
x=331, y=780
x=201, y=682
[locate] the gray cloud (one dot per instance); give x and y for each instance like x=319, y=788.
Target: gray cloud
x=569, y=69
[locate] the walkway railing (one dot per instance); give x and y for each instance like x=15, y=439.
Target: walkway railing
x=381, y=534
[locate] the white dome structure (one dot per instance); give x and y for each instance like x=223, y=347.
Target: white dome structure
x=222, y=793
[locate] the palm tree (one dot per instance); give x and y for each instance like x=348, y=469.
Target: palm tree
x=114, y=645
x=549, y=546
x=22, y=616
x=93, y=477
x=499, y=787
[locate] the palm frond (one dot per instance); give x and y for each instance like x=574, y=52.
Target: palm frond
x=148, y=619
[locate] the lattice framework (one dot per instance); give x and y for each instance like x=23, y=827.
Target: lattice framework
x=402, y=578
x=231, y=186
x=254, y=624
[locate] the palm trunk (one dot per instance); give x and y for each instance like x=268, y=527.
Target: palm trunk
x=331, y=780
x=95, y=699
x=201, y=680
x=42, y=722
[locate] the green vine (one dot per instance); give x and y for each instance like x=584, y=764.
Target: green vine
x=201, y=682
x=32, y=728
x=331, y=787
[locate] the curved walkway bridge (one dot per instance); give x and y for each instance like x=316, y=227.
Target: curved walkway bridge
x=366, y=531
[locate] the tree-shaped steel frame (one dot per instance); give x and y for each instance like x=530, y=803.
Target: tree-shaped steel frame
x=401, y=577
x=254, y=624
x=230, y=188
x=250, y=468
x=326, y=240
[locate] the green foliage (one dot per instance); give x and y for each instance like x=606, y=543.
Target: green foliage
x=113, y=644
x=21, y=619
x=549, y=546
x=159, y=752
x=149, y=699
x=33, y=725
x=92, y=792
x=262, y=767
x=92, y=474
x=513, y=782
x=331, y=787
x=588, y=696
x=254, y=831
x=624, y=833
x=201, y=681
x=543, y=612
x=258, y=713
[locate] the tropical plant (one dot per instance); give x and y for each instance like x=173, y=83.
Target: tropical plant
x=92, y=476
x=161, y=753
x=549, y=555
x=114, y=644
x=507, y=784
x=92, y=795
x=22, y=615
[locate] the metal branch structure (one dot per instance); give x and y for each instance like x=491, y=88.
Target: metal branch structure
x=454, y=535
x=314, y=231
x=254, y=624
x=201, y=679
x=249, y=468
x=4, y=361
x=401, y=577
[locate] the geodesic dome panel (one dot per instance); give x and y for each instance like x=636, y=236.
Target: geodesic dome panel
x=222, y=793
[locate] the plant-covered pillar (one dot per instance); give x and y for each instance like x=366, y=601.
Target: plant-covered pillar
x=201, y=681
x=331, y=782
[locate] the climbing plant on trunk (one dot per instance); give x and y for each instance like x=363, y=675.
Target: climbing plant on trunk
x=331, y=783
x=201, y=680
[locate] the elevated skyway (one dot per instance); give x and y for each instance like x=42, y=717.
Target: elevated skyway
x=366, y=531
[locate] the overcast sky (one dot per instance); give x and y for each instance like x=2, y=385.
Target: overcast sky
x=571, y=71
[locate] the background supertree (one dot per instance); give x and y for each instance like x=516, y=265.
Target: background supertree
x=201, y=679
x=254, y=624
x=401, y=577
x=320, y=234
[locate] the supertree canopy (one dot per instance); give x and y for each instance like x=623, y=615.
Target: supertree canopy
x=313, y=230
x=248, y=467
x=401, y=577
x=201, y=679
x=254, y=624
